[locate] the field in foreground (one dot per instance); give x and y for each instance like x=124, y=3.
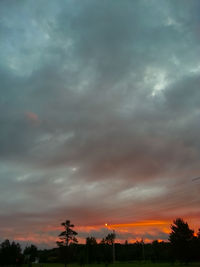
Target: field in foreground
x=123, y=264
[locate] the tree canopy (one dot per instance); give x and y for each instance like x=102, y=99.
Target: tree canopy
x=91, y=241
x=180, y=238
x=68, y=235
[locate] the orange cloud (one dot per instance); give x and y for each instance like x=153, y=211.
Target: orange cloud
x=145, y=223
x=32, y=117
x=146, y=230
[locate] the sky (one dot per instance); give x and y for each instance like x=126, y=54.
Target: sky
x=99, y=118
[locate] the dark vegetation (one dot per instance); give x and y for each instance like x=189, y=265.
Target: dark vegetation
x=183, y=247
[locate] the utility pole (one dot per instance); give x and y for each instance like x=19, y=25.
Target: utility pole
x=113, y=244
x=143, y=252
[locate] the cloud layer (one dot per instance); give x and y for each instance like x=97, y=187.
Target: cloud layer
x=99, y=114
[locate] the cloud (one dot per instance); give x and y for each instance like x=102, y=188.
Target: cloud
x=99, y=112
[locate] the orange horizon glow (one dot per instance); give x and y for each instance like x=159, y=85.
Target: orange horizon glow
x=131, y=231
x=143, y=223
x=122, y=227
x=150, y=226
x=139, y=223
x=164, y=225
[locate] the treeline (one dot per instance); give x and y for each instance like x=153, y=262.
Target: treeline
x=11, y=253
x=183, y=246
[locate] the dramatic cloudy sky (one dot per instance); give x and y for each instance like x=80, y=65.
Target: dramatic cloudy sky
x=99, y=117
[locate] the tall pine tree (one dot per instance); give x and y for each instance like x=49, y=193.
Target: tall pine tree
x=66, y=237
x=180, y=238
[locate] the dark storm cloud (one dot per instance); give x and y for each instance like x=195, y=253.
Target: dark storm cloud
x=99, y=110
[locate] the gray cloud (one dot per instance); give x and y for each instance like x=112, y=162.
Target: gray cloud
x=99, y=111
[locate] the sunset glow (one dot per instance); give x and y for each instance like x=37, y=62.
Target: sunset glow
x=148, y=223
x=99, y=119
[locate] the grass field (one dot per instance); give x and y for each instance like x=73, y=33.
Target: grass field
x=135, y=264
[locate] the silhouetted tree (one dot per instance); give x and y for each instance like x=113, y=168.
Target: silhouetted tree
x=30, y=253
x=10, y=253
x=66, y=237
x=107, y=244
x=198, y=234
x=103, y=241
x=180, y=238
x=91, y=249
x=91, y=241
x=197, y=246
x=110, y=239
